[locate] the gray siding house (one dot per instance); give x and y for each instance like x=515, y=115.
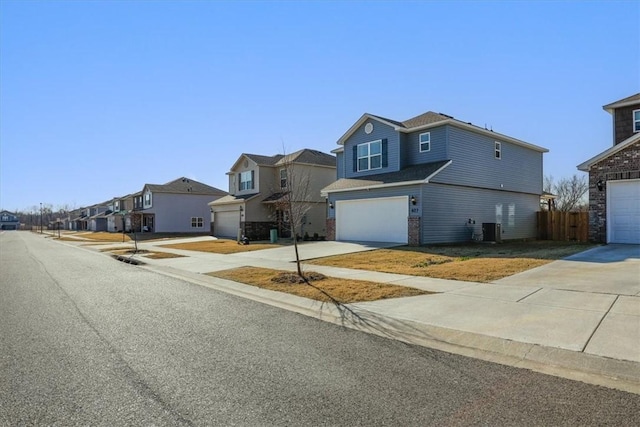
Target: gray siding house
x=179, y=206
x=432, y=179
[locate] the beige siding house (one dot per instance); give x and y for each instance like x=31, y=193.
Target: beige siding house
x=257, y=186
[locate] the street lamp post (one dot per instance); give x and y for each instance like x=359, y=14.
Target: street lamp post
x=40, y=217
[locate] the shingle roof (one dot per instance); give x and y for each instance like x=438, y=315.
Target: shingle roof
x=395, y=122
x=264, y=160
x=308, y=156
x=633, y=139
x=230, y=199
x=411, y=173
x=425, y=119
x=629, y=100
x=275, y=197
x=185, y=186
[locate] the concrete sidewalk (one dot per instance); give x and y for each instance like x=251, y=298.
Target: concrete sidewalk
x=580, y=334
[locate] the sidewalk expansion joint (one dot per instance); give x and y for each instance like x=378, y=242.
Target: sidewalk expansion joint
x=598, y=325
x=527, y=296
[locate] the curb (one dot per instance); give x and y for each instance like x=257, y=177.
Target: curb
x=598, y=370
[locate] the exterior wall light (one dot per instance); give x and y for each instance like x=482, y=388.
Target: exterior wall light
x=413, y=200
x=330, y=205
x=600, y=185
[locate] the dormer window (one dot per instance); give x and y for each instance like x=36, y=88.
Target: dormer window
x=636, y=121
x=425, y=142
x=370, y=155
x=498, y=150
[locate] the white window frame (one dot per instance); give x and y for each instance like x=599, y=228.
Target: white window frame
x=283, y=181
x=497, y=146
x=369, y=156
x=197, y=222
x=246, y=184
x=636, y=122
x=427, y=142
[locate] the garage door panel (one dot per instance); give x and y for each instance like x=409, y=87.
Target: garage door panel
x=623, y=209
x=373, y=220
x=226, y=224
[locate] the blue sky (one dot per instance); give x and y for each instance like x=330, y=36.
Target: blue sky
x=100, y=97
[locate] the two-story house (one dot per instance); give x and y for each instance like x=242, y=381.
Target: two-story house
x=9, y=221
x=432, y=179
x=257, y=186
x=614, y=178
x=120, y=208
x=97, y=217
x=179, y=206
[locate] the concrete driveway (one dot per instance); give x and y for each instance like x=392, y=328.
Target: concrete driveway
x=609, y=269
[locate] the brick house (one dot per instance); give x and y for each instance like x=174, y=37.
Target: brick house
x=614, y=178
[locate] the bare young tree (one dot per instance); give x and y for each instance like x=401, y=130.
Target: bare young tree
x=570, y=192
x=296, y=201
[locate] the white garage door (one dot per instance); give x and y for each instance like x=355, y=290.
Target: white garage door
x=373, y=220
x=226, y=224
x=623, y=211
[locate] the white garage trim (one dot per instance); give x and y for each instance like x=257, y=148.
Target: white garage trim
x=623, y=211
x=383, y=219
x=226, y=223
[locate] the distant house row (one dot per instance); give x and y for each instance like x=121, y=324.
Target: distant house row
x=428, y=179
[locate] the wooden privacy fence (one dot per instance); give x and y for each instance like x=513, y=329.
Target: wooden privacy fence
x=556, y=225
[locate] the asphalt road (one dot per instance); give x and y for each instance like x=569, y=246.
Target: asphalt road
x=87, y=340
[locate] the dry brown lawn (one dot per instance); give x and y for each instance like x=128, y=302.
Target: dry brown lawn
x=468, y=262
x=143, y=252
x=341, y=290
x=221, y=246
x=162, y=255
x=102, y=236
x=116, y=249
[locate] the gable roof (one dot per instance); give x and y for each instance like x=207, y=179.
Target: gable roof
x=185, y=186
x=306, y=155
x=430, y=119
x=310, y=157
x=230, y=199
x=264, y=160
x=624, y=102
x=606, y=153
x=425, y=119
x=417, y=174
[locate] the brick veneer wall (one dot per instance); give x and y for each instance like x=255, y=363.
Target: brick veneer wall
x=414, y=231
x=624, y=164
x=257, y=230
x=331, y=229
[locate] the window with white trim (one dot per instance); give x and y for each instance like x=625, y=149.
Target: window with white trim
x=425, y=141
x=498, y=150
x=246, y=180
x=370, y=155
x=197, y=222
x=283, y=178
x=636, y=121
